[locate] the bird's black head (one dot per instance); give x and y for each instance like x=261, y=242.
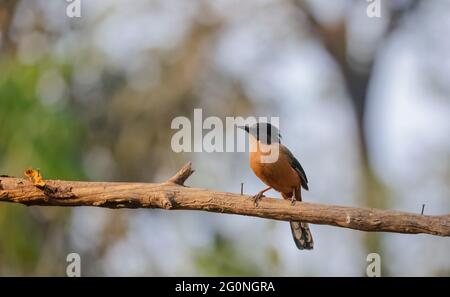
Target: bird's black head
x=266, y=133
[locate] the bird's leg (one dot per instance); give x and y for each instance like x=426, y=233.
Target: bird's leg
x=293, y=198
x=258, y=196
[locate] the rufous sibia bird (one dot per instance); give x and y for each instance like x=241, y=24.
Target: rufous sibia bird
x=277, y=167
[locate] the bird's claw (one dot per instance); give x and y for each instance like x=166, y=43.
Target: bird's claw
x=293, y=201
x=257, y=197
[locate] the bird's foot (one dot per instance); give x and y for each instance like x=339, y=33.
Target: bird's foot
x=258, y=197
x=293, y=201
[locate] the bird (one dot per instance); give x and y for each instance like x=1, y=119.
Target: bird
x=284, y=173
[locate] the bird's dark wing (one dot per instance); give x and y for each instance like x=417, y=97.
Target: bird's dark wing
x=296, y=165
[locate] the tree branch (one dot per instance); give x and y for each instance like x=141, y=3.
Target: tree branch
x=172, y=195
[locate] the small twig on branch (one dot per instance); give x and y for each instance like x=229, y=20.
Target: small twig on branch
x=172, y=195
x=182, y=175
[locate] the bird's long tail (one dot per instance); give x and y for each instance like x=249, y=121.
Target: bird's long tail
x=302, y=235
x=300, y=231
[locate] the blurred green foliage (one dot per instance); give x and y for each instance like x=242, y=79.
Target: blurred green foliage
x=223, y=259
x=34, y=134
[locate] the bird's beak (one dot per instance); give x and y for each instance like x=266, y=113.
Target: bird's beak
x=245, y=128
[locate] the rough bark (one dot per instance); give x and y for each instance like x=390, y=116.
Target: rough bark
x=172, y=195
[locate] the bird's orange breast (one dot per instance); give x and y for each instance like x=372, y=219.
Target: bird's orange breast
x=279, y=175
